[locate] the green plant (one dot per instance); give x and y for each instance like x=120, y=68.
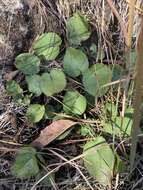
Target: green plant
x=27, y=63
x=100, y=160
x=77, y=29
x=74, y=103
x=53, y=82
x=55, y=85
x=95, y=78
x=48, y=45
x=115, y=124
x=13, y=88
x=26, y=163
x=35, y=112
x=75, y=62
x=34, y=86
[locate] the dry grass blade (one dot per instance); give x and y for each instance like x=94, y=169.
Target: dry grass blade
x=71, y=162
x=123, y=28
x=52, y=131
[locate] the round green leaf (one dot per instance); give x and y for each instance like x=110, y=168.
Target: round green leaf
x=53, y=82
x=33, y=82
x=75, y=62
x=48, y=45
x=103, y=73
x=13, y=88
x=25, y=165
x=78, y=29
x=27, y=63
x=99, y=160
x=74, y=103
x=90, y=82
x=35, y=112
x=95, y=78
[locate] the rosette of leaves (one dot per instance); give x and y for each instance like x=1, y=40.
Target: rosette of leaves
x=48, y=45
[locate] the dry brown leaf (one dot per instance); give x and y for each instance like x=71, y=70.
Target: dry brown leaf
x=52, y=131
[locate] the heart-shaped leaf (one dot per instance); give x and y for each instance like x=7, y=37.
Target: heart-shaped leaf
x=53, y=82
x=74, y=103
x=99, y=160
x=95, y=78
x=27, y=63
x=78, y=29
x=33, y=82
x=48, y=45
x=13, y=88
x=25, y=165
x=35, y=112
x=75, y=62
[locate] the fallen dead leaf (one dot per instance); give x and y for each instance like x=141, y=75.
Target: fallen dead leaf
x=52, y=131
